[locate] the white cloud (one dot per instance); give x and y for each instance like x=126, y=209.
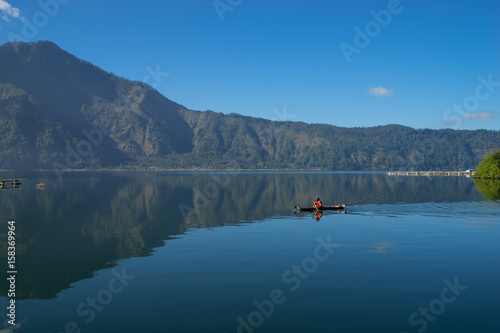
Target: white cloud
x=482, y=115
x=380, y=91
x=7, y=11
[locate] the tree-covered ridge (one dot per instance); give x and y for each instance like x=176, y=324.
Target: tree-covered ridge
x=59, y=112
x=234, y=141
x=81, y=97
x=28, y=135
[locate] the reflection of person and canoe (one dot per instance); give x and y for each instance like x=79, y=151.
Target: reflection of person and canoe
x=318, y=208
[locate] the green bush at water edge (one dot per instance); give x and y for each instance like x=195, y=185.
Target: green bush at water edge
x=489, y=167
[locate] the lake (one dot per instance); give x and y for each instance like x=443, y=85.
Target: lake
x=225, y=252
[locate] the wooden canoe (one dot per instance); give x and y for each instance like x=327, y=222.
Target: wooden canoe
x=311, y=208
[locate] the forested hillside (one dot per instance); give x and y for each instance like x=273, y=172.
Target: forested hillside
x=60, y=112
x=227, y=141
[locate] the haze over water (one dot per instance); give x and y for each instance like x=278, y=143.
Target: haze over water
x=225, y=252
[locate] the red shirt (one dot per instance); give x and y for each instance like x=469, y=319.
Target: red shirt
x=318, y=204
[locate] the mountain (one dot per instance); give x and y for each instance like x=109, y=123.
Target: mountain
x=77, y=97
x=237, y=141
x=60, y=112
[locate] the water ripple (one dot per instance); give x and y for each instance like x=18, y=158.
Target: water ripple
x=480, y=209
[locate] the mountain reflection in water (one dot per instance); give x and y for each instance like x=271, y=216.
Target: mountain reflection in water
x=90, y=221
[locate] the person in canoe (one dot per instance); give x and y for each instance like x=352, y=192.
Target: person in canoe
x=317, y=203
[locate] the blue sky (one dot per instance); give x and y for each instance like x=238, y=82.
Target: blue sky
x=420, y=63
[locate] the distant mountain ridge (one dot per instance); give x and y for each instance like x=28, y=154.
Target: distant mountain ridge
x=58, y=111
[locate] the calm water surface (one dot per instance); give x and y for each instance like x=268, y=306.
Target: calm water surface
x=185, y=252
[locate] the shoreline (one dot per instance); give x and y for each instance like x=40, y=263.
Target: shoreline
x=203, y=170
x=431, y=173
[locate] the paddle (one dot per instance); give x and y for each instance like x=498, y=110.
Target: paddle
x=350, y=203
